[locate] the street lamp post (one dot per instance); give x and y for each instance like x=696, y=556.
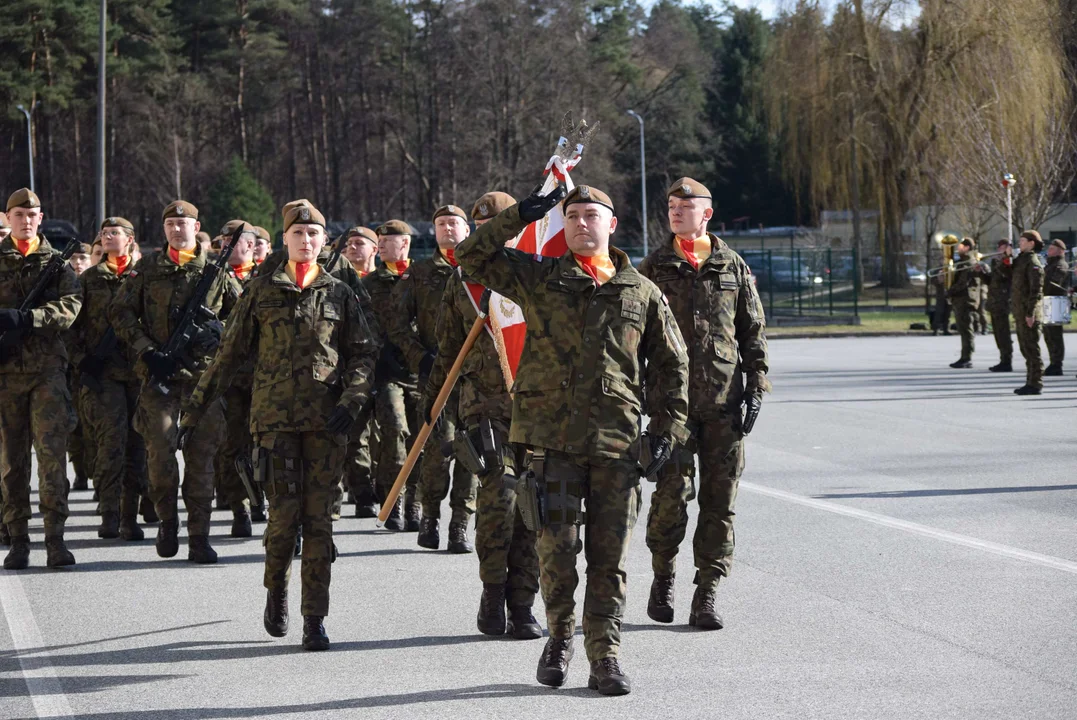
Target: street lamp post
x=642, y=177
x=1008, y=181
x=100, y=159
x=29, y=139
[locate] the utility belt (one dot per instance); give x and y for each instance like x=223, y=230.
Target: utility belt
x=481, y=451
x=545, y=501
x=278, y=476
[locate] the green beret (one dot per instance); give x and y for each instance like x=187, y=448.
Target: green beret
x=445, y=210
x=24, y=198
x=688, y=188
x=363, y=232
x=180, y=209
x=491, y=204
x=301, y=212
x=116, y=221
x=1057, y=242
x=1034, y=237
x=588, y=194
x=231, y=225
x=394, y=227
x=262, y=233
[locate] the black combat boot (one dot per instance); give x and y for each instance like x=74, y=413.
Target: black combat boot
x=275, y=617
x=18, y=557
x=5, y=536
x=522, y=624
x=607, y=678
x=81, y=482
x=458, y=540
x=168, y=538
x=1003, y=366
x=110, y=526
x=314, y=637
x=1053, y=370
x=199, y=550
x=491, y=619
x=56, y=553
x=1028, y=390
x=961, y=364
x=220, y=503
x=365, y=506
x=429, y=537
x=660, y=604
x=241, y=523
x=703, y=614
x=129, y=529
x=149, y=512
x=553, y=664
x=395, y=521
x=258, y=514
x=413, y=515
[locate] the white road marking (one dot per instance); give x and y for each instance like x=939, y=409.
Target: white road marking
x=46, y=691
x=917, y=528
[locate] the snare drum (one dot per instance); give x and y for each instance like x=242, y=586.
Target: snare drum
x=1056, y=310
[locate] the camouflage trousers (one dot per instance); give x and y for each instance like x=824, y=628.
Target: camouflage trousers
x=506, y=548
x=301, y=472
x=720, y=447
x=1028, y=340
x=396, y=410
x=157, y=422
x=236, y=443
x=1056, y=345
x=358, y=466
x=35, y=410
x=80, y=448
x=963, y=314
x=612, y=499
x=434, y=471
x=1000, y=326
x=120, y=466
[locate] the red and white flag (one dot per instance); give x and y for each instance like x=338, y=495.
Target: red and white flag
x=545, y=237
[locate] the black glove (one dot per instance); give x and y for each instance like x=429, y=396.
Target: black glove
x=11, y=319
x=752, y=403
x=426, y=365
x=661, y=451
x=428, y=410
x=160, y=365
x=208, y=337
x=340, y=421
x=184, y=436
x=92, y=365
x=534, y=206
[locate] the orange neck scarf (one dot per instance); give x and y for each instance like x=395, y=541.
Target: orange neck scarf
x=695, y=252
x=27, y=246
x=303, y=274
x=450, y=255
x=118, y=264
x=181, y=257
x=599, y=267
x=242, y=271
x=398, y=267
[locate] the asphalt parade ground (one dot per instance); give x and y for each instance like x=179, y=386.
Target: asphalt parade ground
x=905, y=549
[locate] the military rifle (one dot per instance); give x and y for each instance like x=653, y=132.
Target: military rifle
x=195, y=316
x=11, y=339
x=102, y=351
x=337, y=251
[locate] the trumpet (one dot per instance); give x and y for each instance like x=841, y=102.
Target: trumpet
x=953, y=267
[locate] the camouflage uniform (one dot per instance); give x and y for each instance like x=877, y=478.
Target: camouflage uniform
x=1026, y=294
x=142, y=316
x=998, y=304
x=35, y=403
x=110, y=400
x=965, y=293
x=1056, y=282
x=506, y=548
x=721, y=318
x=312, y=352
x=576, y=401
x=237, y=442
x=396, y=404
x=412, y=328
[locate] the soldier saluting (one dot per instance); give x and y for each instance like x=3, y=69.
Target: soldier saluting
x=597, y=333
x=711, y=293
x=313, y=369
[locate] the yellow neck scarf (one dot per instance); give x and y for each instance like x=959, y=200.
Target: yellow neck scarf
x=182, y=257
x=695, y=252
x=303, y=274
x=242, y=271
x=117, y=264
x=398, y=268
x=599, y=267
x=27, y=246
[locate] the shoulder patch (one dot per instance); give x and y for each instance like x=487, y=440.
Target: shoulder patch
x=133, y=273
x=405, y=276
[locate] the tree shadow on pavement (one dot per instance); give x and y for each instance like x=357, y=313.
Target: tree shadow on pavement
x=75, y=684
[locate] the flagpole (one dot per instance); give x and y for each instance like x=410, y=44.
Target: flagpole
x=642, y=177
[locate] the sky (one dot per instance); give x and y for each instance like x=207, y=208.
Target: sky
x=768, y=8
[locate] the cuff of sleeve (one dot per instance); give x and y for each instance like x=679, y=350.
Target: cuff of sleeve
x=37, y=318
x=141, y=345
x=758, y=384
x=663, y=425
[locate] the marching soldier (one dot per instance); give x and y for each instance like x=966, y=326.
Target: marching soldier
x=1026, y=295
x=35, y=407
x=412, y=328
x=262, y=244
x=998, y=304
x=396, y=393
x=109, y=389
x=1056, y=283
x=965, y=294
x=79, y=450
x=81, y=259
x=313, y=367
x=361, y=249
x=97, y=251
x=711, y=293
x=143, y=317
x=508, y=563
x=597, y=330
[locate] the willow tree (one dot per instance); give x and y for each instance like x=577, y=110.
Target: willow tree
x=858, y=100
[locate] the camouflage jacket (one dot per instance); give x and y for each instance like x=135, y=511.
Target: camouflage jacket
x=42, y=347
x=590, y=353
x=965, y=289
x=1056, y=277
x=482, y=389
x=392, y=365
x=721, y=318
x=998, y=286
x=99, y=287
x=143, y=312
x=1026, y=291
x=312, y=351
x=245, y=375
x=417, y=299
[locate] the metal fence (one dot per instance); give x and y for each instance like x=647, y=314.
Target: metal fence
x=805, y=282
